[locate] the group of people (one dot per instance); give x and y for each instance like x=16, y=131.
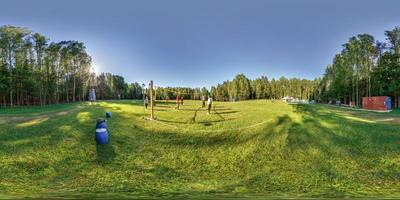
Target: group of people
x=179, y=101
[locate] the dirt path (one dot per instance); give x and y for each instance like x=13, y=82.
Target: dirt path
x=374, y=117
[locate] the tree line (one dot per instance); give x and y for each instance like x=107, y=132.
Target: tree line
x=243, y=88
x=36, y=71
x=110, y=86
x=365, y=67
x=166, y=93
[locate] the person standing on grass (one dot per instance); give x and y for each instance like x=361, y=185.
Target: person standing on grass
x=178, y=98
x=182, y=100
x=209, y=103
x=203, y=100
x=146, y=101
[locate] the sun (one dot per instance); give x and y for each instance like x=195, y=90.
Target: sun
x=96, y=67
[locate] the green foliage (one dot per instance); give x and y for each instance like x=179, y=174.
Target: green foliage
x=242, y=88
x=168, y=93
x=39, y=72
x=365, y=67
x=34, y=71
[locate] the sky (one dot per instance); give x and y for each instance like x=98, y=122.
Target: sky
x=198, y=43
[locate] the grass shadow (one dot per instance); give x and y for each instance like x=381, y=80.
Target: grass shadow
x=105, y=153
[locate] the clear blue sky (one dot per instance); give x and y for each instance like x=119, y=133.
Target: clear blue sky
x=204, y=42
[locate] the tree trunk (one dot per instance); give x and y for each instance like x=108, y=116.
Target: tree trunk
x=366, y=89
x=73, y=92
x=40, y=96
x=66, y=86
x=398, y=101
x=10, y=66
x=83, y=94
x=357, y=95
x=27, y=99
x=18, y=96
x=369, y=75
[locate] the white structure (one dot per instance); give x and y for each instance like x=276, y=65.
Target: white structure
x=295, y=100
x=288, y=99
x=92, y=95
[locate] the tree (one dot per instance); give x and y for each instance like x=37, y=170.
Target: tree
x=393, y=37
x=119, y=85
x=11, y=42
x=260, y=87
x=364, y=63
x=240, y=87
x=40, y=45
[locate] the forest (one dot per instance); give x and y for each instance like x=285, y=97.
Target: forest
x=37, y=71
x=242, y=88
x=364, y=68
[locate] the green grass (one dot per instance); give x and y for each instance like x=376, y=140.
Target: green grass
x=251, y=148
x=396, y=111
x=37, y=109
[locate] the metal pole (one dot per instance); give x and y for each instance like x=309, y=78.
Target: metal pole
x=151, y=100
x=143, y=98
x=155, y=95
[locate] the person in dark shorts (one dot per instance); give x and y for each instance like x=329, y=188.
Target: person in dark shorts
x=178, y=98
x=146, y=101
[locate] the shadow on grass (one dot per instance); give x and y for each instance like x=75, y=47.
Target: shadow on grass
x=315, y=147
x=105, y=153
x=227, y=112
x=282, y=156
x=206, y=123
x=173, y=121
x=334, y=132
x=215, y=138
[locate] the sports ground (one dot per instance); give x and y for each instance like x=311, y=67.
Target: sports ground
x=248, y=148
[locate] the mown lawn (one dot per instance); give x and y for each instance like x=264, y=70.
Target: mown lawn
x=37, y=109
x=251, y=148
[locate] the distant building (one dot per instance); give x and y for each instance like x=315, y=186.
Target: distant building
x=288, y=99
x=295, y=100
x=380, y=103
x=92, y=95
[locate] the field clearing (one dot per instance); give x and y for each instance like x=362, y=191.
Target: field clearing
x=257, y=148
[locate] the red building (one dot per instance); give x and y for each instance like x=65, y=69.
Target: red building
x=377, y=103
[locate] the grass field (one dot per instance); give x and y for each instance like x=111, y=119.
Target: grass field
x=251, y=148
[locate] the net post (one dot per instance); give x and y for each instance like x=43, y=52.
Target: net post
x=151, y=100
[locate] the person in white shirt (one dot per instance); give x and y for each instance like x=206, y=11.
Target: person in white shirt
x=209, y=103
x=203, y=100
